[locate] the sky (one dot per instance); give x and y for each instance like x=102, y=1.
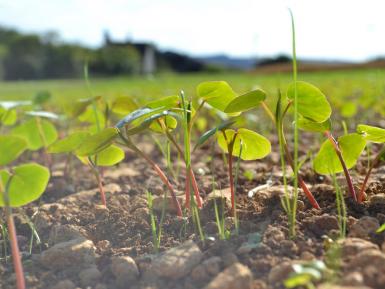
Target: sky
x=326, y=29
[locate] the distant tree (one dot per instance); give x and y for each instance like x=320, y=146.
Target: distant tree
x=274, y=60
x=114, y=60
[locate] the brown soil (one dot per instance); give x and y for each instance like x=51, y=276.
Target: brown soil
x=124, y=228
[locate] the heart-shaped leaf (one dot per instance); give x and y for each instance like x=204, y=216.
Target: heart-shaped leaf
x=246, y=101
x=327, y=162
x=308, y=125
x=123, y=105
x=218, y=94
x=166, y=102
x=169, y=121
x=312, y=103
x=208, y=134
x=37, y=132
x=254, y=145
x=110, y=156
x=93, y=117
x=79, y=107
x=11, y=147
x=372, y=133
x=97, y=142
x=68, y=144
x=8, y=116
x=28, y=183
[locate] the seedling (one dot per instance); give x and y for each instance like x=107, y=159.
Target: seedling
x=19, y=186
x=242, y=143
x=371, y=134
x=138, y=121
x=94, y=150
x=156, y=229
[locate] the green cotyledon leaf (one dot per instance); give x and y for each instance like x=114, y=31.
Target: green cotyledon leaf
x=27, y=183
x=312, y=103
x=254, y=145
x=327, y=162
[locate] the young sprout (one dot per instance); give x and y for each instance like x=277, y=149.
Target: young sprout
x=371, y=134
x=38, y=132
x=94, y=150
x=18, y=186
x=138, y=121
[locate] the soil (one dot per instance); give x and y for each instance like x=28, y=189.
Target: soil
x=70, y=210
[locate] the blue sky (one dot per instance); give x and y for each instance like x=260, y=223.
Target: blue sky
x=328, y=29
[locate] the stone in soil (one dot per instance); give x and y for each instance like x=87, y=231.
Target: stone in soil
x=364, y=227
x=64, y=233
x=64, y=284
x=177, y=262
x=236, y=276
x=353, y=246
x=89, y=276
x=280, y=272
x=124, y=269
x=372, y=264
x=74, y=254
x=321, y=225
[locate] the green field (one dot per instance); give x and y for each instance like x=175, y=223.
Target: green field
x=363, y=87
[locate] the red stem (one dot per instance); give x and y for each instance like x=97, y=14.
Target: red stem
x=168, y=185
x=195, y=188
x=158, y=170
x=346, y=171
x=101, y=189
x=187, y=190
x=18, y=267
x=301, y=182
x=361, y=194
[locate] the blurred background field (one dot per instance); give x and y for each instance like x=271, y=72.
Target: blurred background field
x=363, y=87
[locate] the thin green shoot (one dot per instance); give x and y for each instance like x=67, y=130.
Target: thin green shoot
x=91, y=94
x=295, y=193
x=345, y=127
x=341, y=207
x=156, y=229
x=286, y=201
x=219, y=218
x=4, y=234
x=236, y=178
